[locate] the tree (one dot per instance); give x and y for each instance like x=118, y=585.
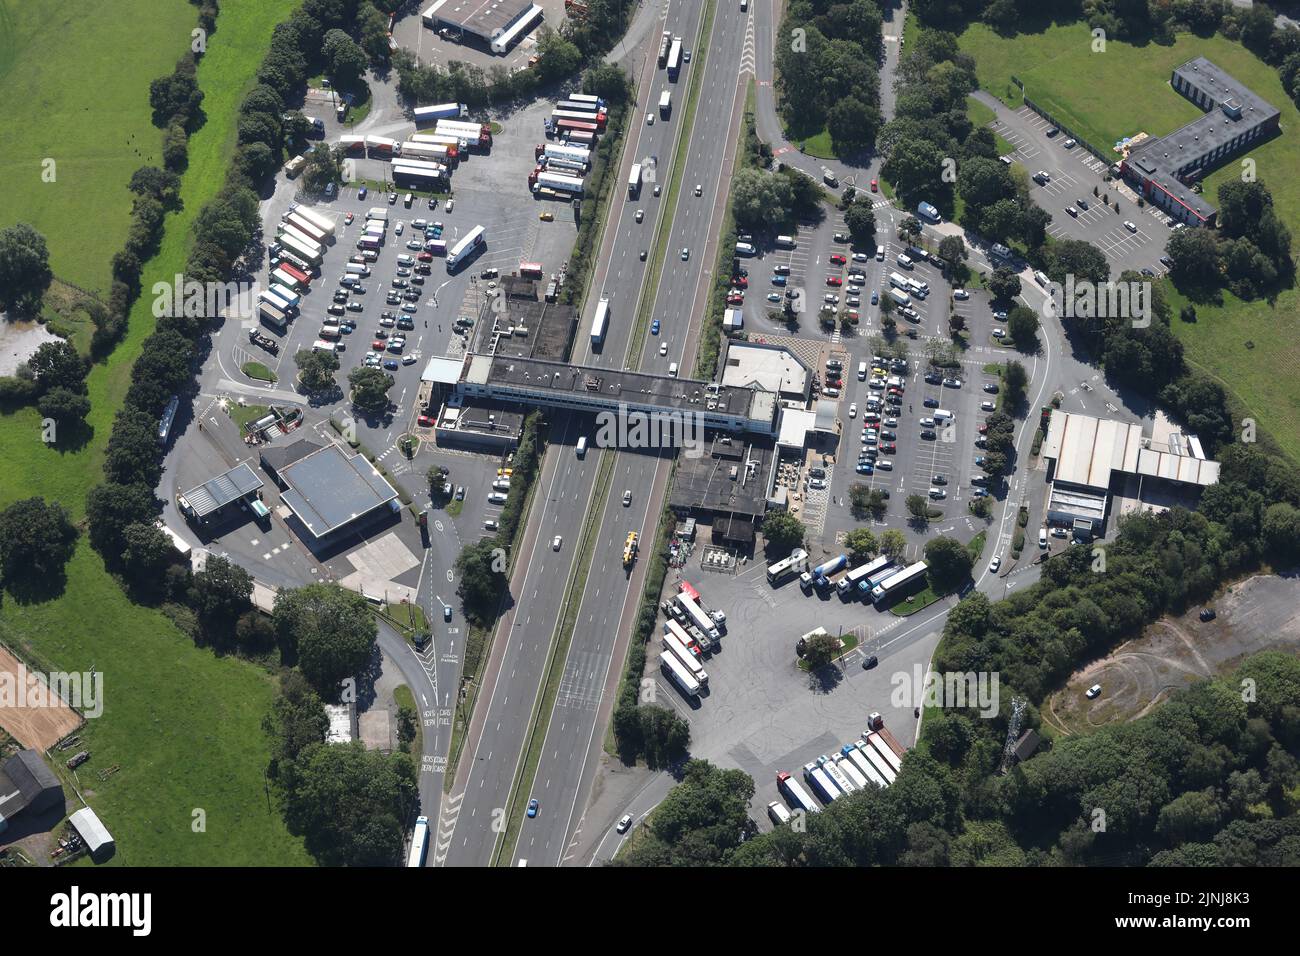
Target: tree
x=222, y=591
x=1004, y=284
x=558, y=58
x=917, y=506
x=664, y=736
x=296, y=721
x=759, y=198
x=893, y=543
x=783, y=532
x=1015, y=380
x=1195, y=257
x=111, y=507
x=24, y=268
x=345, y=61
x=864, y=501
x=36, y=541
x=350, y=804
x=952, y=250
x=820, y=650
x=64, y=406
x=480, y=568
x=606, y=80
x=331, y=629
x=174, y=96
x=1022, y=325
x=1075, y=257
x=161, y=184
x=324, y=166
x=949, y=564
x=370, y=388
x=372, y=28
x=133, y=455
x=860, y=544
x=852, y=125
x=147, y=551
x=316, y=369
x=861, y=222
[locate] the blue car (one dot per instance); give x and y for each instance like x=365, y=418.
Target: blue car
x=779, y=280
x=866, y=469
x=361, y=193
x=532, y=807
x=979, y=461
x=875, y=297
x=391, y=365
x=654, y=327
x=979, y=493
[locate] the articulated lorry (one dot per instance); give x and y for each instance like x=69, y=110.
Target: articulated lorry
x=557, y=181
x=819, y=576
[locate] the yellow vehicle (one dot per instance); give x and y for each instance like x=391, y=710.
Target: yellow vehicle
x=629, y=549
x=505, y=472
x=547, y=216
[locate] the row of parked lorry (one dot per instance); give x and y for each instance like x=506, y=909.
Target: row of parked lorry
x=690, y=632
x=872, y=760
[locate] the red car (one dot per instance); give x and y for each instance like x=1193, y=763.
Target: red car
x=740, y=282
x=838, y=259
x=735, y=299
x=379, y=345
x=834, y=281
x=895, y=390
x=983, y=428
x=425, y=421
x=875, y=188
x=851, y=314
x=425, y=257
x=871, y=417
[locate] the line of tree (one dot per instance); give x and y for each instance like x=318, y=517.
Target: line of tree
x=827, y=72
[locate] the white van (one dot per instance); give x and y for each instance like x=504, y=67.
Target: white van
x=581, y=448
x=779, y=814
x=1040, y=277
x=904, y=260
x=501, y=484
x=880, y=253
x=899, y=296
x=862, y=371
x=320, y=345
x=745, y=249
x=785, y=242
x=942, y=415
x=672, y=369
x=357, y=269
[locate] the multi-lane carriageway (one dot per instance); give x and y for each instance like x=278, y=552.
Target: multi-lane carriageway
x=474, y=821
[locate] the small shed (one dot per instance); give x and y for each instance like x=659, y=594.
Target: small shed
x=98, y=840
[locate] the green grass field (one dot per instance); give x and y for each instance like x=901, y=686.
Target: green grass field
x=75, y=90
x=1125, y=90
x=181, y=723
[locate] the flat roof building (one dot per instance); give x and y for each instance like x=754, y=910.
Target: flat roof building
x=208, y=499
x=1091, y=458
x=730, y=480
x=770, y=368
x=327, y=490
x=1235, y=119
x=532, y=382
x=499, y=24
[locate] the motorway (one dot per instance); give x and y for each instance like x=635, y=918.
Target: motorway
x=467, y=833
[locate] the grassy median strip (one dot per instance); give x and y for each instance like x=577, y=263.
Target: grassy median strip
x=654, y=273
x=556, y=660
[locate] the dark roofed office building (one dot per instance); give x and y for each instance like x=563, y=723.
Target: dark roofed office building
x=327, y=490
x=27, y=784
x=1162, y=169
